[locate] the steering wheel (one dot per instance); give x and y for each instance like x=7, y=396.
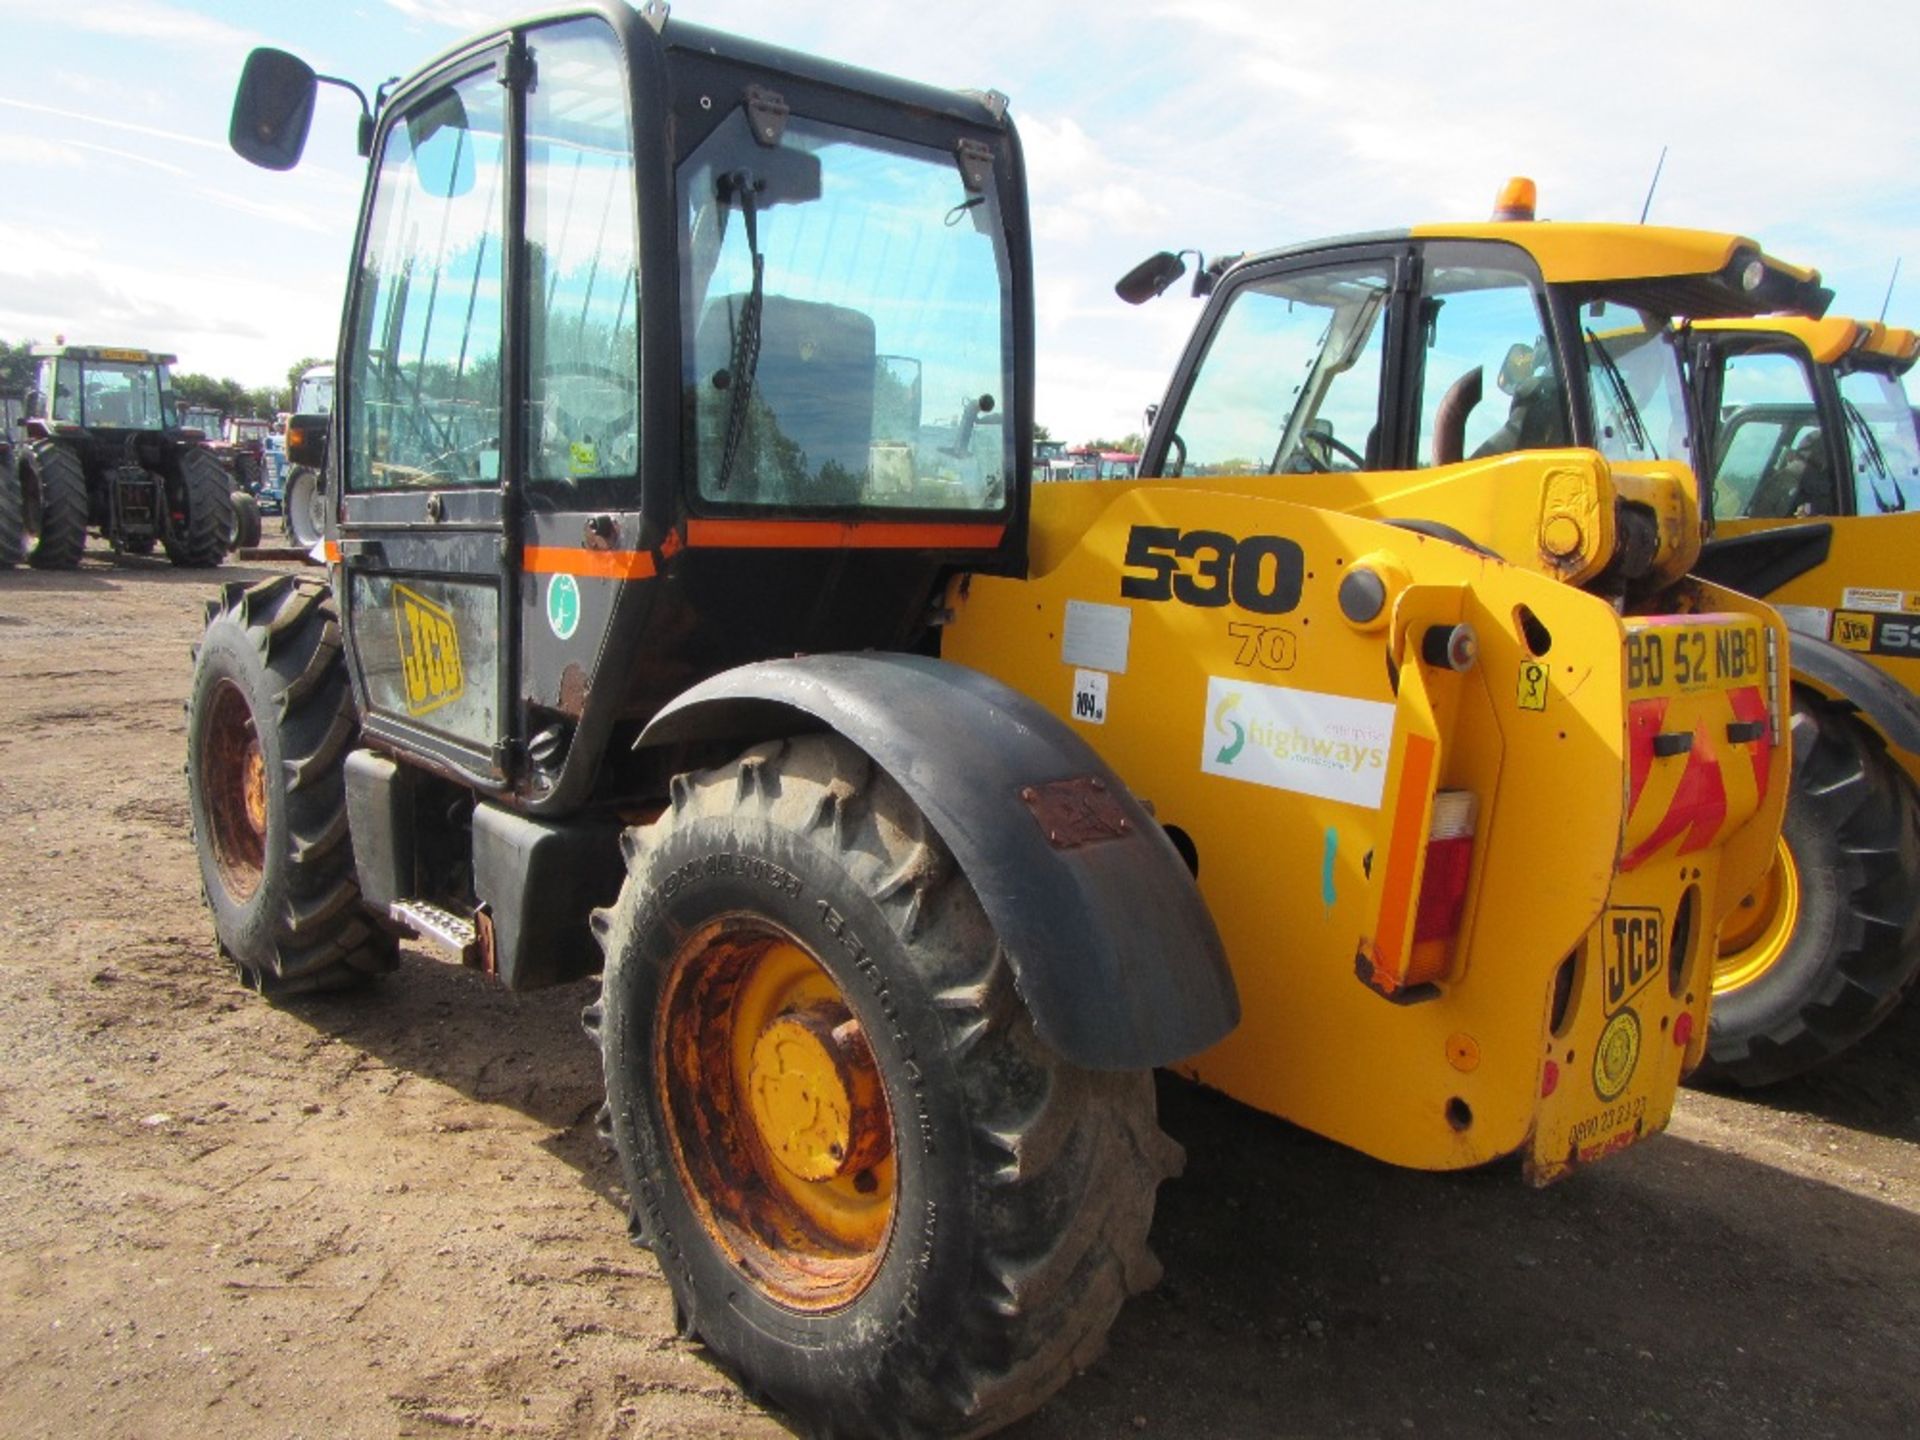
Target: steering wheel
x=1330, y=448
x=1177, y=454
x=626, y=385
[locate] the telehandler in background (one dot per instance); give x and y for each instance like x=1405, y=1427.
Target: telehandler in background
x=1390, y=341
x=691, y=616
x=1813, y=483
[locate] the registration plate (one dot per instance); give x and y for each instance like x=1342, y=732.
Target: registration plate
x=1682, y=657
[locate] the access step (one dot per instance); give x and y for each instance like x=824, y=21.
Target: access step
x=453, y=933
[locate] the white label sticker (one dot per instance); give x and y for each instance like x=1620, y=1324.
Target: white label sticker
x=1097, y=636
x=1814, y=620
x=1333, y=746
x=1090, y=696
x=1859, y=598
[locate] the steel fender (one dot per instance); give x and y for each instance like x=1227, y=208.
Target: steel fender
x=1111, y=946
x=1893, y=709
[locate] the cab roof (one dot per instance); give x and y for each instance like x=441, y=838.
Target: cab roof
x=102, y=352
x=1834, y=337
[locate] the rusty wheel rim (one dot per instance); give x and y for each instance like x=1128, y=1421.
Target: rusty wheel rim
x=776, y=1116
x=233, y=783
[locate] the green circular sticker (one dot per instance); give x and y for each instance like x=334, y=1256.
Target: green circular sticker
x=563, y=606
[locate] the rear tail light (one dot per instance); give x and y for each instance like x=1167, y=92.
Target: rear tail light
x=1443, y=884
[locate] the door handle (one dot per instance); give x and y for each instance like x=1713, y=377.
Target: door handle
x=436, y=507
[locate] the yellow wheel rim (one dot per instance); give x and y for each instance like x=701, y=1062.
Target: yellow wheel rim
x=777, y=1119
x=1757, y=933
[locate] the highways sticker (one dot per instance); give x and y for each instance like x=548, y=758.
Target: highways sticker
x=1090, y=696
x=1617, y=1055
x=563, y=606
x=1332, y=746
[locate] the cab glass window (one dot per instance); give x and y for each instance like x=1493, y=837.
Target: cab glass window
x=846, y=324
x=1634, y=384
x=1771, y=456
x=1291, y=377
x=1886, y=452
x=425, y=356
x=64, y=379
x=122, y=396
x=582, y=266
x=1489, y=384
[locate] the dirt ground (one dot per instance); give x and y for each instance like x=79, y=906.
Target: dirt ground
x=392, y=1217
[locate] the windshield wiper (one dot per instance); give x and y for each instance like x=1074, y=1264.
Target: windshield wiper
x=739, y=186
x=1622, y=397
x=1877, y=459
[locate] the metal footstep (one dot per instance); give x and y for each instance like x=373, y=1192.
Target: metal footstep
x=454, y=933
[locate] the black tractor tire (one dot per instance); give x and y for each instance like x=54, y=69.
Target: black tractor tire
x=270, y=720
x=1020, y=1188
x=246, y=521
x=56, y=520
x=13, y=518
x=1852, y=845
x=198, y=536
x=304, y=507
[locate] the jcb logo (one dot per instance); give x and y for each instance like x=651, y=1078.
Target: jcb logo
x=429, y=652
x=1634, y=952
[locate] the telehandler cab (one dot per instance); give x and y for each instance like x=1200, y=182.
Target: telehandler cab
x=1814, y=489
x=690, y=615
x=1392, y=338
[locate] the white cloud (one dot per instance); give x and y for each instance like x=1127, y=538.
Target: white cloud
x=139, y=20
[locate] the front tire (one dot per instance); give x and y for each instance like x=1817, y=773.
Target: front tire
x=874, y=1191
x=269, y=724
x=305, y=507
x=13, y=519
x=1823, y=949
x=200, y=519
x=54, y=495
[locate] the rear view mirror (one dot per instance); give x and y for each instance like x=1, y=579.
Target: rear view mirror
x=307, y=441
x=273, y=109
x=442, y=146
x=1150, y=277
x=778, y=176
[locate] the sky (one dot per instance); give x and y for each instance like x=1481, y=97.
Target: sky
x=1217, y=125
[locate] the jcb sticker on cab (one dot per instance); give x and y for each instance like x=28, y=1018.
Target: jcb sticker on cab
x=429, y=652
x=1876, y=634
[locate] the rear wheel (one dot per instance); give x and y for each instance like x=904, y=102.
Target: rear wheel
x=872, y=1188
x=306, y=513
x=1824, y=946
x=269, y=724
x=200, y=511
x=54, y=501
x=246, y=521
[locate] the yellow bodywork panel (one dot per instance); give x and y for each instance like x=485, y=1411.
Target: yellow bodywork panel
x=1865, y=597
x=1576, y=253
x=1194, y=633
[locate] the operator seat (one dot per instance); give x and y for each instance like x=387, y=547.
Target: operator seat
x=1799, y=482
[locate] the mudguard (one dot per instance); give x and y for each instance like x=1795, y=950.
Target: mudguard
x=1845, y=676
x=1111, y=946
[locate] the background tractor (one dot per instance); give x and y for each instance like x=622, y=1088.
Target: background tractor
x=304, y=496
x=1571, y=321
x=1814, y=482
x=101, y=447
x=690, y=617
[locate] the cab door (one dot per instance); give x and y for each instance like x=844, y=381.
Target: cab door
x=426, y=582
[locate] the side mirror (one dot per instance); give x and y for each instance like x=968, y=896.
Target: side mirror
x=273, y=109
x=307, y=441
x=1150, y=277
